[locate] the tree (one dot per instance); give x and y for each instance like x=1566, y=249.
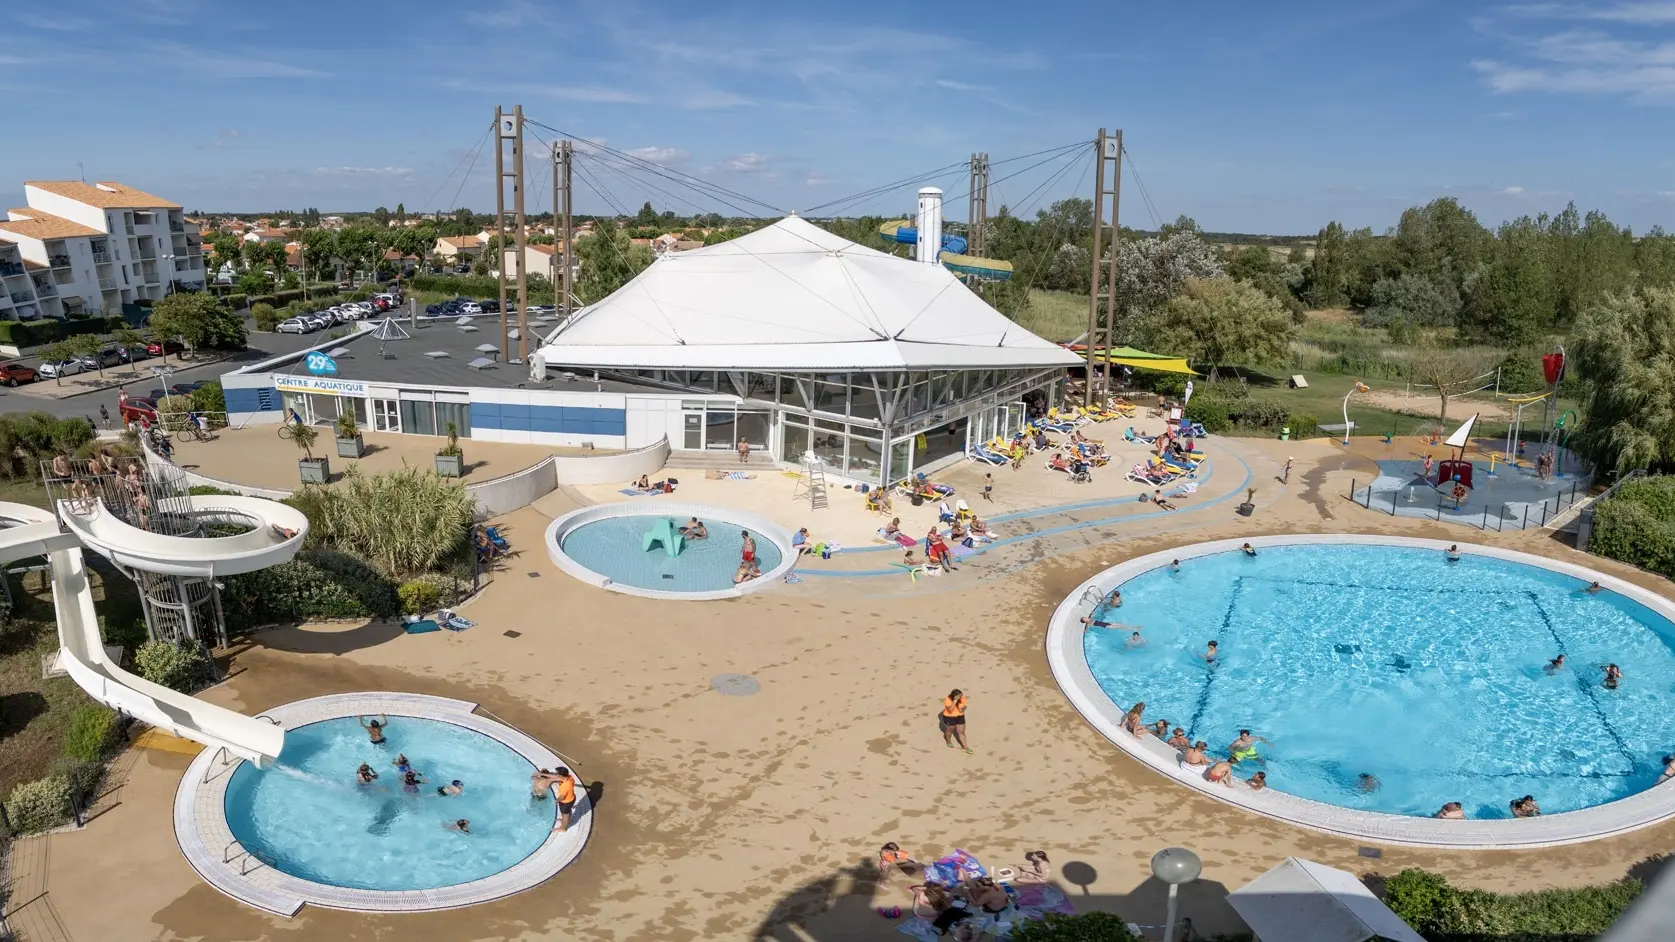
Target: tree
x=463, y=217
x=381, y=217
x=58, y=352
x=128, y=338
x=1328, y=280
x=608, y=261
x=1624, y=354
x=1218, y=322
x=254, y=282
x=646, y=216
x=1415, y=299
x=1511, y=298
x=318, y=246
x=199, y=321
x=227, y=247
x=401, y=213
x=88, y=345
x=1152, y=271
x=1451, y=370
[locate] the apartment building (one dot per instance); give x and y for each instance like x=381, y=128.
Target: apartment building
x=89, y=248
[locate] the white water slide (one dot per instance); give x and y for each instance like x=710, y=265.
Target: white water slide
x=272, y=534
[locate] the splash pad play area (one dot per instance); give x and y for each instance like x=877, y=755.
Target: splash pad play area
x=653, y=551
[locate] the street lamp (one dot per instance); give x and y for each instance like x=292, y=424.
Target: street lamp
x=1174, y=866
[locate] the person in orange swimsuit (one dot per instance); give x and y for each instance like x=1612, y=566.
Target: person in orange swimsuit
x=952, y=719
x=564, y=786
x=892, y=859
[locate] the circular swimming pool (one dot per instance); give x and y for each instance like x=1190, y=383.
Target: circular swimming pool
x=309, y=817
x=1384, y=678
x=306, y=831
x=626, y=548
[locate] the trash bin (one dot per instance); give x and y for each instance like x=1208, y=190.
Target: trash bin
x=1285, y=434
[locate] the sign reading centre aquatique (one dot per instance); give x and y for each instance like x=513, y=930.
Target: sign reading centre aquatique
x=324, y=385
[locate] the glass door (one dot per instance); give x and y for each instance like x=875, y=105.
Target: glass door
x=692, y=427
x=386, y=417
x=753, y=427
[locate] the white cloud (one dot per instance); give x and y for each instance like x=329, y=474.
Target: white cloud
x=363, y=171
x=588, y=93
x=1619, y=52
x=662, y=156
x=1512, y=191
x=232, y=65
x=508, y=16
x=1639, y=12
x=962, y=86
x=1666, y=194
x=711, y=99
x=816, y=178
x=746, y=163
x=65, y=24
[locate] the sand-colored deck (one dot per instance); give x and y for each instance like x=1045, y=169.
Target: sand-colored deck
x=733, y=818
x=258, y=456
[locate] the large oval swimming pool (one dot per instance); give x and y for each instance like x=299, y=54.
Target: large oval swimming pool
x=1390, y=679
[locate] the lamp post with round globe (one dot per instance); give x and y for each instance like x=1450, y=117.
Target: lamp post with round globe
x=1174, y=866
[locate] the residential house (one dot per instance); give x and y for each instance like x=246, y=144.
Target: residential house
x=456, y=250
x=141, y=246
x=537, y=260
x=265, y=235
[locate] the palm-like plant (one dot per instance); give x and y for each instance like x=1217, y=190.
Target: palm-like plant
x=346, y=427
x=404, y=521
x=304, y=435
x=452, y=449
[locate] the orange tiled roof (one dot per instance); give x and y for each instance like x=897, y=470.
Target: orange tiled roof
x=41, y=225
x=108, y=194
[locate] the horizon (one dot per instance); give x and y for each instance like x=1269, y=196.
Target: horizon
x=1249, y=123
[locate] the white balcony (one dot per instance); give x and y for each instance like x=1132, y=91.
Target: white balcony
x=107, y=283
x=45, y=289
x=102, y=258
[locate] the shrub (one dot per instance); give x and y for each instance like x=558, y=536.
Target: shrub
x=82, y=776
x=286, y=297
x=265, y=316
x=1228, y=391
x=1303, y=425
x=419, y=596
x=1637, y=525
x=182, y=667
x=404, y=521
x=1442, y=913
x=1212, y=415
x=39, y=805
x=210, y=397
x=92, y=731
x=236, y=301
x=1258, y=413
x=318, y=583
x=1087, y=927
x=1419, y=897
x=1172, y=385
x=171, y=411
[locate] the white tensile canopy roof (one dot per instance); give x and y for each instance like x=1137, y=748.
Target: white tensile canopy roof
x=1303, y=901
x=792, y=296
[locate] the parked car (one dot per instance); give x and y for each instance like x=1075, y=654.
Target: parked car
x=184, y=389
x=135, y=409
x=14, y=373
x=158, y=348
x=366, y=307
x=471, y=308
x=490, y=306
x=295, y=325
x=53, y=369
x=321, y=320
x=110, y=354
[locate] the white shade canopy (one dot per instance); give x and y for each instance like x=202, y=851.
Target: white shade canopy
x=792, y=296
x=1303, y=901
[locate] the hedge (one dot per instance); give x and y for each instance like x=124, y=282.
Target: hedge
x=1637, y=525
x=1443, y=913
x=48, y=330
x=92, y=731
x=39, y=805
x=1211, y=414
x=1087, y=927
x=183, y=667
x=1303, y=425
x=318, y=583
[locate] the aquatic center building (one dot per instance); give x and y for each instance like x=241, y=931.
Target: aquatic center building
x=791, y=338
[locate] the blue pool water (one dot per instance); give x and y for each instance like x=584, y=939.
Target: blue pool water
x=1396, y=663
x=611, y=547
x=309, y=817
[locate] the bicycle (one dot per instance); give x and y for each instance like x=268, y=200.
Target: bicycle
x=285, y=432
x=195, y=433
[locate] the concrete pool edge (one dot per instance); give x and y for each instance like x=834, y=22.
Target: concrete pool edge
x=714, y=516
x=201, y=829
x=1066, y=659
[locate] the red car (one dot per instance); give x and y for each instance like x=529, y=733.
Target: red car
x=13, y=373
x=135, y=409
x=159, y=348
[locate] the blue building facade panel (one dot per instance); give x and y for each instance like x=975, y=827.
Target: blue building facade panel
x=558, y=420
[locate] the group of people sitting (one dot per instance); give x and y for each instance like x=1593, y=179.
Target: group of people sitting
x=965, y=909
x=965, y=529
x=118, y=481
x=645, y=485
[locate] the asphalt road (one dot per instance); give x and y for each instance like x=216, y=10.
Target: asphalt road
x=262, y=346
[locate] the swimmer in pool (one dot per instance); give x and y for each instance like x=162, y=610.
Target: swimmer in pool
x=1194, y=755
x=463, y=826
x=1160, y=729
x=1093, y=622
x=1135, y=641
x=1613, y=676
x=1451, y=810
x=375, y=729
x=401, y=764
x=411, y=781
x=1593, y=588
x=1248, y=550
x=1367, y=782
x=1178, y=739
x=1554, y=666
x=1668, y=769
x=1114, y=600
x=1525, y=807
x=1210, y=653
x=365, y=775
x=1243, y=749
x=1175, y=566
x=1258, y=781
x=1454, y=553
x=452, y=789
x=1220, y=772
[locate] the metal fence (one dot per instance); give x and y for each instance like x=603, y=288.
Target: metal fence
x=1519, y=515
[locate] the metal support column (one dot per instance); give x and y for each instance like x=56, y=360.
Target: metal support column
x=522, y=237
x=1107, y=159
x=569, y=266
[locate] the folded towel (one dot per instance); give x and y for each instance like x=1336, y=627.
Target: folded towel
x=457, y=623
x=420, y=627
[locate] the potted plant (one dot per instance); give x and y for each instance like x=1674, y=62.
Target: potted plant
x=349, y=442
x=313, y=470
x=450, y=461
x=1249, y=506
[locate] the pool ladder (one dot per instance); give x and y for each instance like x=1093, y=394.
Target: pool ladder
x=1091, y=597
x=244, y=867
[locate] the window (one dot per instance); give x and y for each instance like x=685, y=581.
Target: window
x=459, y=413
x=418, y=417
x=796, y=442
x=865, y=458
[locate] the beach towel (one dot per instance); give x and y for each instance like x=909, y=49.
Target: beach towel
x=961, y=551
x=955, y=869
x=421, y=627
x=901, y=539
x=457, y=623
x=631, y=492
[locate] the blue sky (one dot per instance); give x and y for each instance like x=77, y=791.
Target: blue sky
x=1250, y=117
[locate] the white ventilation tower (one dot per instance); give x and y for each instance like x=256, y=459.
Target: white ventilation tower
x=929, y=223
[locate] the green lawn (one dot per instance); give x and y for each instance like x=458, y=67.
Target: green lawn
x=1056, y=315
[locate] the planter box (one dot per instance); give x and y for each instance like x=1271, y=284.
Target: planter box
x=1246, y=510
x=351, y=447
x=314, y=471
x=450, y=466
